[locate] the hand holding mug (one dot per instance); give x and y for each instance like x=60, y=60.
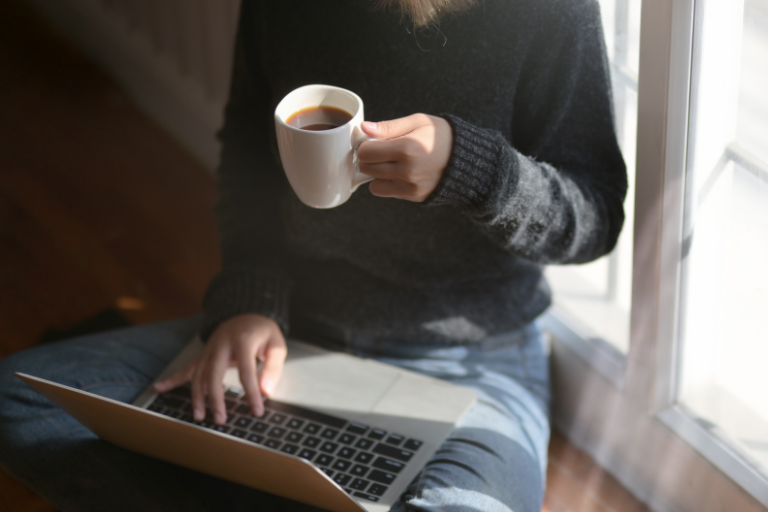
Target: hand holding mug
x=409, y=156
x=327, y=159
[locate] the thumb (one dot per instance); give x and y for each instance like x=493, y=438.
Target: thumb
x=390, y=129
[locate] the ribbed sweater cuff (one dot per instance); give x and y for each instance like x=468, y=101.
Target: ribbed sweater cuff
x=233, y=293
x=472, y=170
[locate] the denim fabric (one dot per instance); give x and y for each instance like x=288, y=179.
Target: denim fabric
x=494, y=460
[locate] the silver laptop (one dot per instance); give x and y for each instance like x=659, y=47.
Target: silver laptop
x=340, y=432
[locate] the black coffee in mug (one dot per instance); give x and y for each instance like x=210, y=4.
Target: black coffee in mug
x=319, y=118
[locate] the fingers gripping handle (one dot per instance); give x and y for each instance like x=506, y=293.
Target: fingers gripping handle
x=358, y=137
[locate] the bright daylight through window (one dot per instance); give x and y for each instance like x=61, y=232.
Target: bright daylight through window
x=596, y=297
x=724, y=339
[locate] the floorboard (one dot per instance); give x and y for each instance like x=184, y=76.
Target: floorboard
x=100, y=210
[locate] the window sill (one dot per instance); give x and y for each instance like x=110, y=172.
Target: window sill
x=591, y=348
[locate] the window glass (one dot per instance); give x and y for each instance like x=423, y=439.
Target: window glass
x=723, y=332
x=598, y=295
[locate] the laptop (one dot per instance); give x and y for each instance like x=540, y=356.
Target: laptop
x=340, y=432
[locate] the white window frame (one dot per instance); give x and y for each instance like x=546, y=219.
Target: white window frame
x=624, y=411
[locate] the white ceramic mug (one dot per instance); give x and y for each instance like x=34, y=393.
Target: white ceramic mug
x=322, y=166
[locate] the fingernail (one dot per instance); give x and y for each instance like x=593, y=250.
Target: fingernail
x=198, y=414
x=221, y=417
x=269, y=387
x=258, y=410
x=370, y=125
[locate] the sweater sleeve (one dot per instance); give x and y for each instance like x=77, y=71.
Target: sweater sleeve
x=253, y=279
x=554, y=193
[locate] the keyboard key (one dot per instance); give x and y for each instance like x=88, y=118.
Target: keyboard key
x=412, y=445
x=347, y=438
x=156, y=408
x=367, y=497
x=377, y=433
x=327, y=471
x=324, y=460
x=243, y=409
x=347, y=452
x=348, y=491
x=260, y=427
x=290, y=449
x=389, y=465
x=395, y=439
x=294, y=437
x=391, y=451
x=341, y=465
x=221, y=428
x=313, y=428
x=341, y=478
x=231, y=393
x=307, y=454
x=307, y=414
x=255, y=438
x=168, y=401
x=312, y=442
x=365, y=444
x=329, y=433
x=242, y=422
x=273, y=443
x=173, y=414
x=230, y=404
x=295, y=423
x=377, y=489
x=364, y=457
x=359, y=484
x=382, y=477
x=181, y=392
x=328, y=447
x=359, y=470
x=357, y=428
x=278, y=418
x=242, y=434
x=278, y=432
x=187, y=418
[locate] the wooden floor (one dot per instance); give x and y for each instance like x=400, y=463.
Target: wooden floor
x=102, y=210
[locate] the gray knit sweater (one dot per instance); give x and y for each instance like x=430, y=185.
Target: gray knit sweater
x=535, y=176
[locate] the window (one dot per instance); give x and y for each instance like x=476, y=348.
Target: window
x=722, y=347
x=686, y=428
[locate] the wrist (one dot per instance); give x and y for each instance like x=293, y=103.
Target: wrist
x=471, y=174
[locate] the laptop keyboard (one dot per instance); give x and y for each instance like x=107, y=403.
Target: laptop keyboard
x=364, y=461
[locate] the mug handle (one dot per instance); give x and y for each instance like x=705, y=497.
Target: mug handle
x=358, y=138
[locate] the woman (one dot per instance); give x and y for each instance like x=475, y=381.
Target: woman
x=498, y=156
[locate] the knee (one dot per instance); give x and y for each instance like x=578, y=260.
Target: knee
x=11, y=387
x=19, y=403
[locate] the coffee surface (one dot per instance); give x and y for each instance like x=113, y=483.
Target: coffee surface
x=319, y=118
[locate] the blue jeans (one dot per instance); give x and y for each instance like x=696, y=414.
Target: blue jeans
x=494, y=460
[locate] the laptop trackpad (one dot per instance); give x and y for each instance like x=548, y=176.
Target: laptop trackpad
x=335, y=381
